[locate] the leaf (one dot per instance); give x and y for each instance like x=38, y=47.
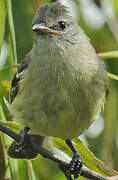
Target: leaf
x=31, y=172
x=108, y=55
x=113, y=76
x=12, y=125
x=88, y=157
x=4, y=90
x=2, y=159
x=13, y=169
x=8, y=4
x=2, y=21
x=116, y=7
x=4, y=93
x=22, y=169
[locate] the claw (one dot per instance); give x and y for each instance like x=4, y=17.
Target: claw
x=24, y=140
x=76, y=165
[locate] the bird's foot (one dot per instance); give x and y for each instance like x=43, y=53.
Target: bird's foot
x=25, y=137
x=76, y=165
x=74, y=168
x=21, y=149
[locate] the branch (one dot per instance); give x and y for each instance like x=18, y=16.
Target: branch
x=10, y=66
x=62, y=163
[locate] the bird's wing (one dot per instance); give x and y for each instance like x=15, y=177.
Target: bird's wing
x=15, y=82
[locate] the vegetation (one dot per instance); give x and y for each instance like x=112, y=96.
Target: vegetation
x=16, y=39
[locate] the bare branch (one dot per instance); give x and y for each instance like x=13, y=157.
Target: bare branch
x=10, y=66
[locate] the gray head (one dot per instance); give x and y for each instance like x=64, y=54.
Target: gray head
x=53, y=21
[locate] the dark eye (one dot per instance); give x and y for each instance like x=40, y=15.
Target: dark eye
x=62, y=25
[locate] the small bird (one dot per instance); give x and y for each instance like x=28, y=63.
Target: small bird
x=62, y=84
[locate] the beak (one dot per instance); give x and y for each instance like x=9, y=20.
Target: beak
x=42, y=28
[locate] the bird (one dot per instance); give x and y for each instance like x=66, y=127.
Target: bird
x=62, y=84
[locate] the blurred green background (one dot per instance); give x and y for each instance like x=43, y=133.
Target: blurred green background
x=99, y=19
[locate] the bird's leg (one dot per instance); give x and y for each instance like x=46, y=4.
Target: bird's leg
x=21, y=149
x=24, y=139
x=76, y=162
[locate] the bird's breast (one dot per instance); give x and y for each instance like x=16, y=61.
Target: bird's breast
x=56, y=99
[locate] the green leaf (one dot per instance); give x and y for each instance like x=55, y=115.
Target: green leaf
x=4, y=90
x=31, y=172
x=2, y=21
x=108, y=55
x=22, y=169
x=2, y=159
x=13, y=168
x=116, y=7
x=4, y=93
x=112, y=76
x=12, y=125
x=11, y=29
x=88, y=157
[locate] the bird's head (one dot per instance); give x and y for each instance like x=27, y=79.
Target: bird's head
x=53, y=21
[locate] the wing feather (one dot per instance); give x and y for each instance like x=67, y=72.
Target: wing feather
x=15, y=82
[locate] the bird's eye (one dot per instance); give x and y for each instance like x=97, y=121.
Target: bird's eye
x=62, y=25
